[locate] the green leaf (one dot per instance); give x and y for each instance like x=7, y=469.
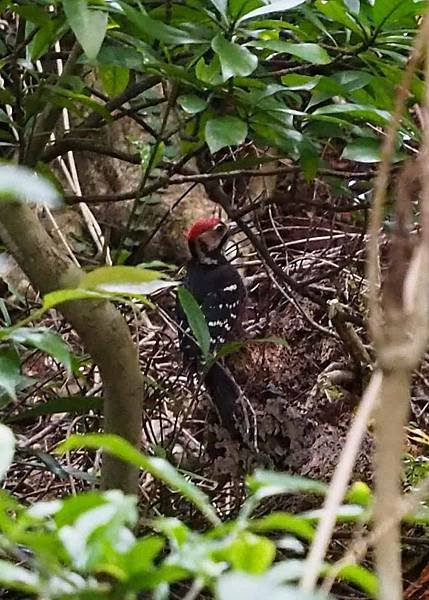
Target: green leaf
x=45, y=340
x=209, y=73
x=312, y=53
x=365, y=150
x=88, y=25
x=157, y=30
x=360, y=493
x=300, y=82
x=250, y=553
x=221, y=6
x=7, y=450
x=196, y=319
x=271, y=7
x=62, y=404
x=267, y=483
x=282, y=521
x=53, y=299
x=234, y=59
x=157, y=467
x=336, y=11
x=114, y=78
x=225, y=131
x=123, y=279
x=359, y=576
x=10, y=370
x=192, y=104
x=18, y=183
x=360, y=111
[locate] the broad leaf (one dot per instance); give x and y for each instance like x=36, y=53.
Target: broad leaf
x=192, y=104
x=272, y=7
x=88, y=25
x=196, y=319
x=17, y=578
x=267, y=483
x=225, y=131
x=365, y=150
x=234, y=59
x=43, y=339
x=22, y=184
x=125, y=280
x=10, y=370
x=312, y=53
x=114, y=78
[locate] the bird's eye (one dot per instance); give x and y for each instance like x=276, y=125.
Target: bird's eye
x=219, y=227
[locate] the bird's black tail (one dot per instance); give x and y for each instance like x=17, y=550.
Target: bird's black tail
x=229, y=400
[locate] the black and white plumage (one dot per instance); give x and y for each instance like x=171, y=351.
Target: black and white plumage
x=219, y=290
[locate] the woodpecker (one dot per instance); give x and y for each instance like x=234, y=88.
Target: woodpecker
x=219, y=290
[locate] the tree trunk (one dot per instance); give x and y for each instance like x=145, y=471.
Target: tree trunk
x=101, y=327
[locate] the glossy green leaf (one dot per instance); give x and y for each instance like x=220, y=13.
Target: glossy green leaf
x=192, y=104
x=234, y=59
x=56, y=298
x=123, y=279
x=365, y=150
x=336, y=10
x=300, y=82
x=221, y=132
x=272, y=7
x=367, y=113
x=312, y=53
x=88, y=25
x=43, y=339
x=7, y=450
x=21, y=184
x=157, y=467
x=268, y=483
x=196, y=319
x=282, y=521
x=114, y=78
x=10, y=370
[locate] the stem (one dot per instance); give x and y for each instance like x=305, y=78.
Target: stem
x=391, y=419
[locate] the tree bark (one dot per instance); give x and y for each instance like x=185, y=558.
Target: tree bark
x=100, y=326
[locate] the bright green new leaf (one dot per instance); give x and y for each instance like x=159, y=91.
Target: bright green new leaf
x=7, y=449
x=225, y=131
x=88, y=25
x=282, y=521
x=196, y=319
x=125, y=280
x=21, y=184
x=250, y=553
x=235, y=60
x=114, y=78
x=157, y=467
